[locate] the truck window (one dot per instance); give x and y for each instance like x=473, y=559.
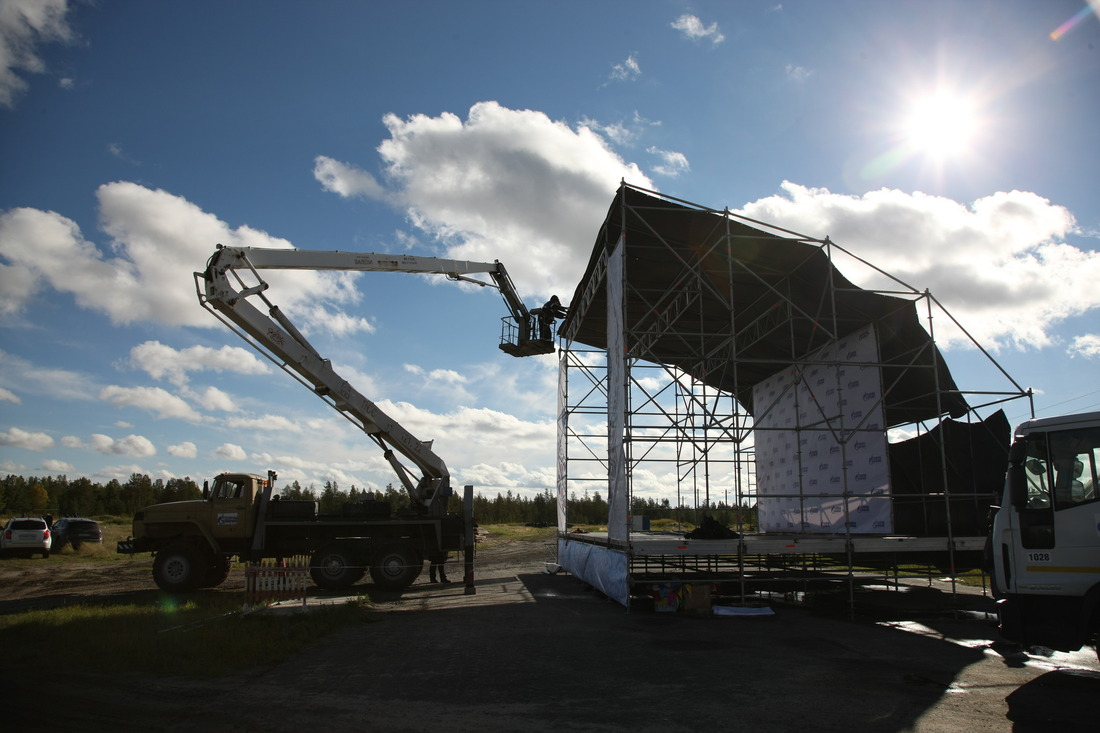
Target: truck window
x=1037, y=516
x=229, y=490
x=1074, y=458
x=1037, y=470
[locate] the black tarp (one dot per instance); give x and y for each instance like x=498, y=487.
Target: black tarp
x=970, y=457
x=731, y=305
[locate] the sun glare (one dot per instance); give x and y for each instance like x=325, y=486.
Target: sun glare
x=940, y=125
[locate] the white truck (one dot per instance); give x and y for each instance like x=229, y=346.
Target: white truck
x=1045, y=540
x=241, y=516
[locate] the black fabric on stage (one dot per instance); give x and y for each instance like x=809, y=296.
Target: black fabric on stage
x=975, y=456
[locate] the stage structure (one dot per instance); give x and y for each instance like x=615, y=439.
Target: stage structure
x=715, y=362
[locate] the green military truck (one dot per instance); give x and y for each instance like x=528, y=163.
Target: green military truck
x=194, y=542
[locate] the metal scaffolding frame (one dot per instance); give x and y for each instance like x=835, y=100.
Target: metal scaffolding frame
x=686, y=415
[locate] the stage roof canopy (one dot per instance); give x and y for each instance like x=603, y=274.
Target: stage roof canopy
x=731, y=304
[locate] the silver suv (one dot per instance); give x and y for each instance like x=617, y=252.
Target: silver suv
x=27, y=536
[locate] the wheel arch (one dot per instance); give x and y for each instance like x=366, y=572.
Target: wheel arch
x=190, y=532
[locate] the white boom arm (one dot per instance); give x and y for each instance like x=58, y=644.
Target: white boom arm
x=231, y=280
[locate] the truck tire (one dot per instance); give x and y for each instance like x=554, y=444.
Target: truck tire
x=179, y=568
x=335, y=567
x=396, y=567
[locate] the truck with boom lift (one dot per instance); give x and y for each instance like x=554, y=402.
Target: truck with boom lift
x=240, y=515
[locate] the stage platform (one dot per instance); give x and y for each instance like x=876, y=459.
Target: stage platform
x=757, y=562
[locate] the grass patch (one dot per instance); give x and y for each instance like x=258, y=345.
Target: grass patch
x=670, y=525
x=501, y=534
x=171, y=636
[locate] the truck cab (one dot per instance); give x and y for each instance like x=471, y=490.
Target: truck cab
x=1046, y=534
x=234, y=502
x=225, y=516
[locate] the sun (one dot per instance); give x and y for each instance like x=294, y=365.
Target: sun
x=940, y=125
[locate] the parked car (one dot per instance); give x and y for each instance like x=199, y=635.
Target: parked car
x=75, y=531
x=25, y=535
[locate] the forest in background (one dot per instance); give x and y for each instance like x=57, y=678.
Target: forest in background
x=60, y=497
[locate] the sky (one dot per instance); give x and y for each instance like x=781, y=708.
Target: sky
x=951, y=144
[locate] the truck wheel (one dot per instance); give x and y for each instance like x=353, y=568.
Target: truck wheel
x=216, y=571
x=179, y=568
x=334, y=567
x=395, y=567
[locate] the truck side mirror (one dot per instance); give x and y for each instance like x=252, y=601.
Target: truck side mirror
x=206, y=490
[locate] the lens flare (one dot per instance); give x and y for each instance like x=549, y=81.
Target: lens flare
x=1093, y=6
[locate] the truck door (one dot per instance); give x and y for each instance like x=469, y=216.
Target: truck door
x=1075, y=455
x=1058, y=551
x=231, y=507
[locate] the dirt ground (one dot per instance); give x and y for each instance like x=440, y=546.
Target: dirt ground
x=534, y=651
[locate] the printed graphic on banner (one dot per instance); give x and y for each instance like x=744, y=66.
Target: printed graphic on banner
x=821, y=453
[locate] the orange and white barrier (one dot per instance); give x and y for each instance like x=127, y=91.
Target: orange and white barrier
x=281, y=580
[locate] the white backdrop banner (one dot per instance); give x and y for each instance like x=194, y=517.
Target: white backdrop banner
x=821, y=451
x=618, y=501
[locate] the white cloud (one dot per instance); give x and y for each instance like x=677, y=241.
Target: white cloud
x=672, y=163
x=506, y=184
x=447, y=376
x=446, y=384
x=28, y=377
x=154, y=399
x=55, y=466
x=694, y=29
x=135, y=446
x=24, y=25
x=346, y=180
x=186, y=449
x=158, y=241
x=622, y=132
x=17, y=285
x=163, y=362
x=998, y=265
x=27, y=441
x=315, y=316
x=213, y=398
x=1087, y=346
x=119, y=473
x=6, y=395
x=272, y=423
x=797, y=74
x=117, y=151
x=230, y=452
x=628, y=70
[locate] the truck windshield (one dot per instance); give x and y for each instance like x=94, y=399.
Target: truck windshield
x=229, y=490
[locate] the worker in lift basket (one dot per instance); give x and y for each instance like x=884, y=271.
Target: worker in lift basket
x=550, y=311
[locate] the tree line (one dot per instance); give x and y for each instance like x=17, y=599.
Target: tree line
x=61, y=497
